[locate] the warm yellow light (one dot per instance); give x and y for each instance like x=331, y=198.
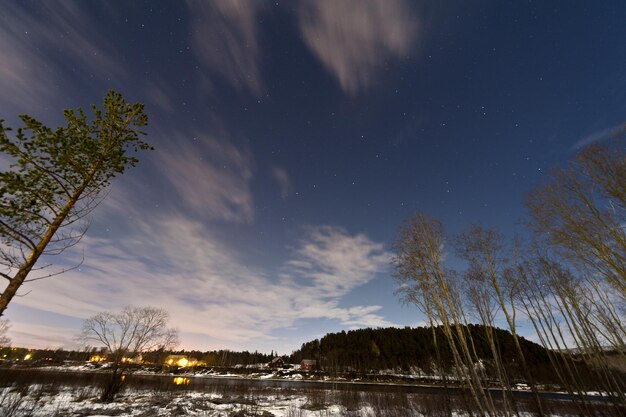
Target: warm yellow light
x=179, y=380
x=183, y=362
x=171, y=361
x=28, y=356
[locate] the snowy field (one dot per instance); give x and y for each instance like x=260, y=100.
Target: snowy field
x=39, y=400
x=56, y=393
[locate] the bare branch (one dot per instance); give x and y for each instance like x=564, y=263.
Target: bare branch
x=57, y=273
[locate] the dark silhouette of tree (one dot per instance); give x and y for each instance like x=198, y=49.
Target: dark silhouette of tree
x=126, y=334
x=405, y=349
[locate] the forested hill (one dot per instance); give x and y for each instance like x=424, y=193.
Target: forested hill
x=392, y=348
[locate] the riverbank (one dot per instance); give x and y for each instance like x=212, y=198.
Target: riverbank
x=38, y=393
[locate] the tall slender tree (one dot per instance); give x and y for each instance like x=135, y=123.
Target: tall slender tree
x=56, y=178
x=419, y=260
x=581, y=211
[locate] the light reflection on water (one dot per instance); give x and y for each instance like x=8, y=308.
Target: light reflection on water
x=179, y=380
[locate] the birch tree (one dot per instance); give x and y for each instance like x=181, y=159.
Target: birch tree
x=581, y=211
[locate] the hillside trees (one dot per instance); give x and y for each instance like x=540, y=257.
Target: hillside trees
x=127, y=334
x=56, y=178
x=401, y=350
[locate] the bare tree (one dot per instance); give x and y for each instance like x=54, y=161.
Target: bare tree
x=419, y=261
x=568, y=315
x=485, y=250
x=127, y=334
x=582, y=212
x=413, y=289
x=575, y=293
x=571, y=284
x=57, y=178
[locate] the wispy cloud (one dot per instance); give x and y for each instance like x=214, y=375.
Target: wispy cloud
x=212, y=295
x=211, y=176
x=169, y=255
x=600, y=135
x=159, y=95
x=225, y=40
x=42, y=336
x=44, y=51
x=335, y=262
x=282, y=178
x=354, y=39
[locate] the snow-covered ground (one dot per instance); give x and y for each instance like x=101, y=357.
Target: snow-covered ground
x=70, y=391
x=42, y=401
x=84, y=403
x=58, y=401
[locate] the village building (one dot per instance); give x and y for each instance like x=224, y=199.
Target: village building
x=308, y=365
x=276, y=363
x=182, y=361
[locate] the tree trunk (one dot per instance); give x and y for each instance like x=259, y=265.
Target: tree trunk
x=113, y=386
x=17, y=281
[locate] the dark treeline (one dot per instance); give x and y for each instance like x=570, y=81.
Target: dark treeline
x=227, y=358
x=17, y=354
x=411, y=349
x=217, y=358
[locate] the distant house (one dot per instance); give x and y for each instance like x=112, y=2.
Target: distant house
x=182, y=361
x=276, y=363
x=97, y=358
x=308, y=365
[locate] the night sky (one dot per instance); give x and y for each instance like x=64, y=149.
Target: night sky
x=292, y=138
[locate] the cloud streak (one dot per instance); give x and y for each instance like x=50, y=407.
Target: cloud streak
x=212, y=177
x=41, y=336
x=225, y=40
x=283, y=181
x=334, y=262
x=600, y=135
x=215, y=299
x=354, y=39
x=39, y=53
